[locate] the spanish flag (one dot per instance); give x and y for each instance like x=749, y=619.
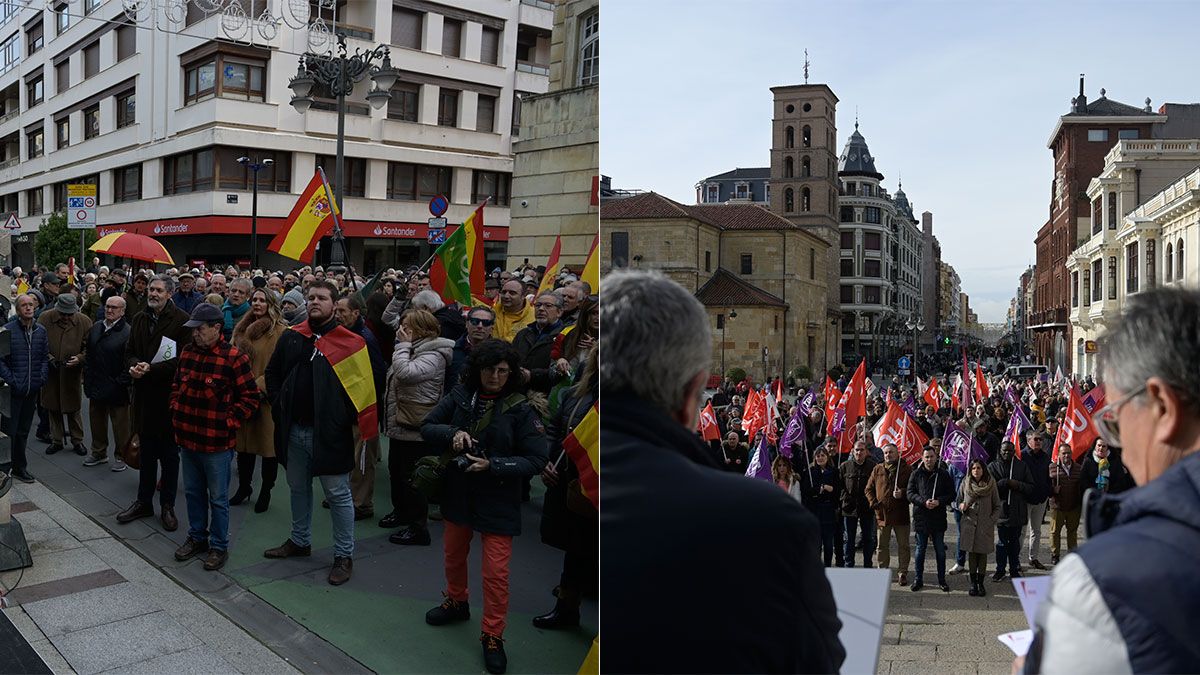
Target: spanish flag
x=311, y=218
x=71, y=272
x=22, y=287
x=553, y=265
x=583, y=446
x=347, y=353
x=591, y=268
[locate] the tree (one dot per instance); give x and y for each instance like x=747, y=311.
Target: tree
x=53, y=243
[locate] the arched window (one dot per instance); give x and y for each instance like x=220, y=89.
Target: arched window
x=789, y=201
x=805, y=167
x=789, y=137
x=1179, y=259
x=1170, y=263
x=787, y=167
x=806, y=136
x=805, y=199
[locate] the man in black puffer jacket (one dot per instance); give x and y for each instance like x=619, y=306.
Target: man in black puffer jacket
x=106, y=383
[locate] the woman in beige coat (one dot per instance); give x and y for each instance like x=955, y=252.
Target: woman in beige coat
x=256, y=334
x=979, y=503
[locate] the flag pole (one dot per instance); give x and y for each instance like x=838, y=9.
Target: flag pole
x=430, y=259
x=339, y=234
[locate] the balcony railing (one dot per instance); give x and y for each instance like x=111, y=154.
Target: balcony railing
x=543, y=4
x=535, y=68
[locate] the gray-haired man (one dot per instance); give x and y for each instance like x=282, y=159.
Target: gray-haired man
x=535, y=341
x=664, y=497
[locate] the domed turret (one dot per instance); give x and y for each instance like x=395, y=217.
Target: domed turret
x=856, y=159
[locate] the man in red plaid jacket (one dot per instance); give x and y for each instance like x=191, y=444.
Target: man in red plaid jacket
x=213, y=394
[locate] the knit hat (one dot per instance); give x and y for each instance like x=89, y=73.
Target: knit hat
x=295, y=297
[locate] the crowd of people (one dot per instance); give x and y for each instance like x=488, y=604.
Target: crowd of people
x=215, y=374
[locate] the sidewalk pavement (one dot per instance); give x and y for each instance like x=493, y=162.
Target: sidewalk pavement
x=90, y=604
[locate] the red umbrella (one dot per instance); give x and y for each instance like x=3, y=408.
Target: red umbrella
x=130, y=245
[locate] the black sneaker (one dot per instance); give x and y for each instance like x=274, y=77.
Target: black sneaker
x=411, y=536
x=998, y=576
x=80, y=450
x=22, y=475
x=917, y=585
x=54, y=447
x=390, y=521
x=494, y=657
x=449, y=611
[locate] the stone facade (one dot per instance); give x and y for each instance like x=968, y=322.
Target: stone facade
x=557, y=159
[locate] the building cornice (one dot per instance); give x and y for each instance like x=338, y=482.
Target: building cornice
x=1101, y=119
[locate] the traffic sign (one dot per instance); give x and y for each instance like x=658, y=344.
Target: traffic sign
x=437, y=236
x=438, y=206
x=903, y=362
x=81, y=206
x=437, y=223
x=12, y=224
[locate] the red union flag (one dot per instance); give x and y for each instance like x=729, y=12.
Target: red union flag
x=898, y=429
x=754, y=417
x=932, y=394
x=709, y=430
x=1077, y=430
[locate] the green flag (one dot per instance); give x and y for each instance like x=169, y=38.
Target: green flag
x=453, y=280
x=369, y=288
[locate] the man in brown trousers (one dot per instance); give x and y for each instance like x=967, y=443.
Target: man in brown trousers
x=66, y=332
x=886, y=494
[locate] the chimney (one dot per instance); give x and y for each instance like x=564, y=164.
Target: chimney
x=1081, y=100
x=927, y=223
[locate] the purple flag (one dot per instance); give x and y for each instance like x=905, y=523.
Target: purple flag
x=910, y=406
x=805, y=405
x=792, y=432
x=1010, y=395
x=839, y=421
x=1017, y=423
x=760, y=466
x=959, y=448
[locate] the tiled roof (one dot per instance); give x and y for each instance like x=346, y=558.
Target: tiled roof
x=758, y=173
x=1110, y=108
x=724, y=216
x=725, y=289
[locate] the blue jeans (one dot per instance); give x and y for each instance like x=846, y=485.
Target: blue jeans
x=337, y=493
x=851, y=525
x=205, y=488
x=1007, y=549
x=939, y=549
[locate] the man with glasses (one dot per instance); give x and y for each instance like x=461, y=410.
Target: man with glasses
x=106, y=383
x=534, y=341
x=1124, y=602
x=479, y=328
x=1037, y=460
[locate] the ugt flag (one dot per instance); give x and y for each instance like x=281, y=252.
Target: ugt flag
x=760, y=465
x=960, y=447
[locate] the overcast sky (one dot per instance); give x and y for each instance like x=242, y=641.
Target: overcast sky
x=957, y=98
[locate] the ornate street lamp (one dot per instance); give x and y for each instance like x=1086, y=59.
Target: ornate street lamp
x=916, y=326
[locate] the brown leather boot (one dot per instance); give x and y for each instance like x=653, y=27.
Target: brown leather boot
x=136, y=510
x=340, y=573
x=169, y=521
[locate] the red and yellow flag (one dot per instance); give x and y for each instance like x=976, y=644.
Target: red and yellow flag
x=583, y=447
x=591, y=268
x=311, y=218
x=553, y=265
x=347, y=353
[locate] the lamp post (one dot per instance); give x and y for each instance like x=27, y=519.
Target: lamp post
x=338, y=75
x=724, y=321
x=916, y=326
x=254, y=166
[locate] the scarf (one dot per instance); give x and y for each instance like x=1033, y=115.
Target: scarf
x=976, y=490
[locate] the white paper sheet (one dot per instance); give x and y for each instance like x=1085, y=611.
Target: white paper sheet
x=1018, y=641
x=861, y=596
x=167, y=350
x=1031, y=591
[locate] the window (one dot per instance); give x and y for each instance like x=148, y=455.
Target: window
x=451, y=38
x=1097, y=224
x=1112, y=210
x=847, y=216
x=619, y=249
x=90, y=6
x=1097, y=283
x=35, y=38
x=127, y=183
x=847, y=294
x=872, y=214
x=872, y=241
x=486, y=184
x=847, y=240
x=1179, y=259
x=589, y=49
x=62, y=132
x=1127, y=134
x=1131, y=268
x=356, y=174
x=1074, y=289
x=806, y=136
x=91, y=59
x=62, y=19
x=720, y=322
x=1097, y=134
x=35, y=142
x=60, y=188
x=867, y=189
x=849, y=188
x=10, y=53
x=126, y=42
x=276, y=177
x=747, y=263
x=1168, y=262
x=490, y=49
x=126, y=109
x=870, y=295
x=1151, y=256
x=812, y=263
x=516, y=114
x=872, y=268
x=805, y=199
x=1112, y=277
x=240, y=78
x=485, y=116
x=405, y=98
x=789, y=201
x=787, y=167
x=708, y=261
x=805, y=167
x=448, y=107
x=35, y=201
x=847, y=267
x=91, y=121
x=406, y=28
x=414, y=182
x=62, y=77
x=188, y=172
x=789, y=138
x=1086, y=288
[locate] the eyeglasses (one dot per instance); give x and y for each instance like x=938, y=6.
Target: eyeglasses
x=1106, y=422
x=481, y=322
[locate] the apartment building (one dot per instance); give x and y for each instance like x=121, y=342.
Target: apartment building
x=158, y=119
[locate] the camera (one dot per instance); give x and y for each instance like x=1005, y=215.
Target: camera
x=462, y=462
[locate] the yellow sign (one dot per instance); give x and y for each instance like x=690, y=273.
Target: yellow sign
x=1090, y=347
x=81, y=190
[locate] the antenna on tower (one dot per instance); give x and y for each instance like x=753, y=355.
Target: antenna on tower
x=806, y=66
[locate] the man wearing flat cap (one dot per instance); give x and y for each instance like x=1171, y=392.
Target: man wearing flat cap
x=66, y=332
